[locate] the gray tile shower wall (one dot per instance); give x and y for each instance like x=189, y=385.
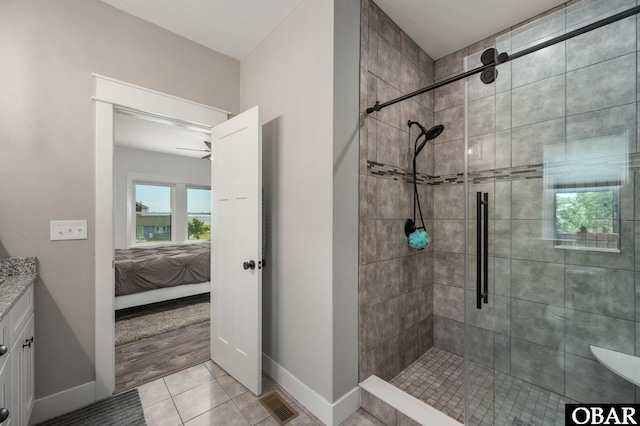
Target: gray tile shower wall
x=546, y=304
x=396, y=282
x=549, y=304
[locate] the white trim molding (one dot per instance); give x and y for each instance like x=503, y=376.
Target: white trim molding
x=116, y=92
x=62, y=402
x=331, y=414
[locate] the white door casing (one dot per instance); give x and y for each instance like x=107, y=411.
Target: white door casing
x=110, y=92
x=236, y=238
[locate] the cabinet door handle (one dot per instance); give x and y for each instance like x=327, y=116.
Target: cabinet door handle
x=4, y=414
x=3, y=350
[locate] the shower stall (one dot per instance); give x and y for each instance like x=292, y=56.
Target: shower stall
x=526, y=295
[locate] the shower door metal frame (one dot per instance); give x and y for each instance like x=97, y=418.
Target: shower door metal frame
x=504, y=58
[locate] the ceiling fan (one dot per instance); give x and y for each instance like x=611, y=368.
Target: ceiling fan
x=206, y=157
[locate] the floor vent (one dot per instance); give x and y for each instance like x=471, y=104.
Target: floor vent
x=518, y=422
x=278, y=408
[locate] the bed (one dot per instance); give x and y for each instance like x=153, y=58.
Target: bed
x=152, y=274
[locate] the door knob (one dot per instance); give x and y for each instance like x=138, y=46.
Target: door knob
x=3, y=350
x=4, y=414
x=249, y=265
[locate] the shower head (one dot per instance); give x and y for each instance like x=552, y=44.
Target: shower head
x=430, y=134
x=435, y=131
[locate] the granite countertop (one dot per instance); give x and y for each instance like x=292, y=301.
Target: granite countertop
x=17, y=274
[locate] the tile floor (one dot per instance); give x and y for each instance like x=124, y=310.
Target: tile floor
x=437, y=378
x=206, y=395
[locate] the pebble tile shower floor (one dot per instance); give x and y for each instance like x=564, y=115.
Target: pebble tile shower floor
x=437, y=378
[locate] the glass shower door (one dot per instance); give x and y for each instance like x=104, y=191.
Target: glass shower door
x=552, y=145
x=487, y=302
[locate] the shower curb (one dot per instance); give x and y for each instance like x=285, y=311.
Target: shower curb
x=404, y=403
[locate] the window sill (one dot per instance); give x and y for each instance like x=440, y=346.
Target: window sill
x=581, y=248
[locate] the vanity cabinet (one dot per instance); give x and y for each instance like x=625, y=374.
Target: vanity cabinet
x=17, y=364
x=5, y=372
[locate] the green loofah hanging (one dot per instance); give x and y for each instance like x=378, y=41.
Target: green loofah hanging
x=419, y=239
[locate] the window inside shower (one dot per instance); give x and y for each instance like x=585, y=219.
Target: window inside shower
x=588, y=219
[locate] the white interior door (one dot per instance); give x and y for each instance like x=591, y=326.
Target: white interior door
x=236, y=248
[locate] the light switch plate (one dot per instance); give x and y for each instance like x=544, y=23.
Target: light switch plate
x=68, y=230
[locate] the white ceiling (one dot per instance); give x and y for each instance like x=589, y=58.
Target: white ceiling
x=141, y=131
x=234, y=27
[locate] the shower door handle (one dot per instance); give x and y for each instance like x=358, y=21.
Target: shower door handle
x=485, y=289
x=482, y=249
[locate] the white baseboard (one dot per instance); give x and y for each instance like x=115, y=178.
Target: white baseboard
x=332, y=414
x=63, y=402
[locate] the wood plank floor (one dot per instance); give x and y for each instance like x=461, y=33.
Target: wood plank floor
x=149, y=359
x=143, y=361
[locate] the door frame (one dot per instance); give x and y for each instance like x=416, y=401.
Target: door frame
x=109, y=93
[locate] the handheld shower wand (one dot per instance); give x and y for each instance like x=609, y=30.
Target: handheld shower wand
x=418, y=237
x=430, y=134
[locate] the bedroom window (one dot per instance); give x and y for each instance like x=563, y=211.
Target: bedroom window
x=153, y=212
x=198, y=214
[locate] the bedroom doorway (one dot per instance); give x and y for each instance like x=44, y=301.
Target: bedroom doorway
x=162, y=233
x=111, y=95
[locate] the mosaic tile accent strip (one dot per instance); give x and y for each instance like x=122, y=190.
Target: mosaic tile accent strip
x=437, y=378
x=456, y=179
x=17, y=266
x=397, y=173
x=533, y=171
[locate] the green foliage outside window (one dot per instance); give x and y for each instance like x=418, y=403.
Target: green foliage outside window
x=585, y=211
x=198, y=229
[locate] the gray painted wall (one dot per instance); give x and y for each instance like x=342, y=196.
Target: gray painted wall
x=298, y=186
x=47, y=135
x=346, y=149
x=47, y=169
x=307, y=295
